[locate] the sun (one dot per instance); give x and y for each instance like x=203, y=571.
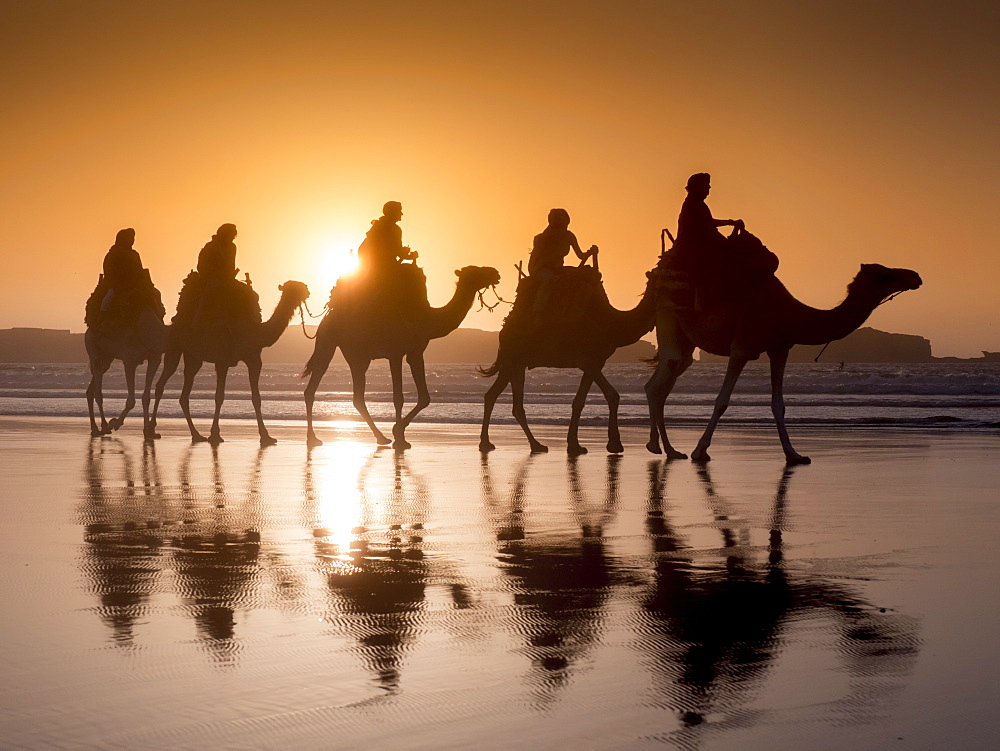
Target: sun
x=340, y=260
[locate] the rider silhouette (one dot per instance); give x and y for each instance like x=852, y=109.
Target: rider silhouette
x=695, y=223
x=122, y=267
x=383, y=246
x=217, y=260
x=553, y=244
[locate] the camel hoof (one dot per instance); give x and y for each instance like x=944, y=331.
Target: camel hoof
x=95, y=433
x=653, y=447
x=114, y=424
x=616, y=448
x=216, y=439
x=797, y=459
x=150, y=436
x=312, y=441
x=539, y=448
x=576, y=450
x=198, y=438
x=401, y=445
x=265, y=440
x=381, y=440
x=675, y=454
x=700, y=456
x=485, y=446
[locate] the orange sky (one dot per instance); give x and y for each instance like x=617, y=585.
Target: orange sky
x=842, y=132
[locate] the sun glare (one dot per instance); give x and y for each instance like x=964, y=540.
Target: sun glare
x=340, y=260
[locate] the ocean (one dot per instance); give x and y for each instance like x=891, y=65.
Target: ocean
x=934, y=396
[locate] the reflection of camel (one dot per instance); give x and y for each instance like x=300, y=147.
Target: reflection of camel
x=711, y=632
x=560, y=583
x=378, y=582
x=223, y=345
x=586, y=345
x=772, y=322
x=133, y=342
x=363, y=338
x=142, y=535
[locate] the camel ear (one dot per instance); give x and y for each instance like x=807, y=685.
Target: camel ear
x=457, y=272
x=281, y=288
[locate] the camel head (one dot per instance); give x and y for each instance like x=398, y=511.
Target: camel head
x=882, y=282
x=294, y=292
x=479, y=277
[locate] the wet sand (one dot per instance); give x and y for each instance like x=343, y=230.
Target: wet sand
x=190, y=597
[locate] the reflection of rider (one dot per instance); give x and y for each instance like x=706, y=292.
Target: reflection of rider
x=122, y=267
x=383, y=244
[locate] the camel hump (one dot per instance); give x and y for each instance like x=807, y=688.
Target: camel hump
x=570, y=296
x=723, y=273
x=394, y=294
x=222, y=304
x=123, y=303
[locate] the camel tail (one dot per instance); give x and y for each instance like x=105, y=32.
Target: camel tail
x=314, y=362
x=492, y=370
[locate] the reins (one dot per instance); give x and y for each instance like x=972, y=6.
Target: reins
x=890, y=297
x=486, y=305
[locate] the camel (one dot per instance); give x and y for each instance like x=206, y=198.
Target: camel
x=142, y=340
x=771, y=321
x=390, y=337
x=586, y=344
x=225, y=347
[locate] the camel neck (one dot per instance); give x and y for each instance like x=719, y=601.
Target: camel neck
x=275, y=326
x=821, y=326
x=449, y=317
x=631, y=325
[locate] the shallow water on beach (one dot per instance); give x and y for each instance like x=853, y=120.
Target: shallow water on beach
x=190, y=596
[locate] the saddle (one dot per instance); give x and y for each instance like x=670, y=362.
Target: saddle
x=563, y=298
x=728, y=273
x=123, y=304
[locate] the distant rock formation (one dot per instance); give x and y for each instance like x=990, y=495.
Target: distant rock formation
x=41, y=345
x=864, y=345
x=461, y=346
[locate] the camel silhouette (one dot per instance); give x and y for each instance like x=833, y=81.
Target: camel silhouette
x=366, y=333
x=768, y=319
x=134, y=340
x=225, y=345
x=585, y=343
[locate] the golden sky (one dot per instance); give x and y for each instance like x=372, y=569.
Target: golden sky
x=841, y=132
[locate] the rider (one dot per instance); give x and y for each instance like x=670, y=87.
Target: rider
x=217, y=260
x=695, y=223
x=122, y=267
x=383, y=246
x=553, y=244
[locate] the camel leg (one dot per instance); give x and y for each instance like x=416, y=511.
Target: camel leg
x=191, y=368
x=170, y=361
x=396, y=374
x=613, y=399
x=778, y=359
x=254, y=366
x=221, y=373
x=674, y=356
x=359, y=370
x=737, y=361
x=573, y=447
x=319, y=364
x=489, y=401
x=517, y=390
x=117, y=422
x=152, y=364
x=416, y=363
x=95, y=395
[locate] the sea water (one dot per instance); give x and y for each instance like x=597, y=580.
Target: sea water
x=938, y=396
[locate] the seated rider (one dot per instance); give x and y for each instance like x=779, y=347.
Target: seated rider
x=548, y=250
x=217, y=260
x=553, y=244
x=122, y=268
x=695, y=225
x=383, y=247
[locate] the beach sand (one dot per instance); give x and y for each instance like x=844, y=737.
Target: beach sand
x=191, y=597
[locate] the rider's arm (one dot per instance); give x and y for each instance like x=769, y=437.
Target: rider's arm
x=575, y=245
